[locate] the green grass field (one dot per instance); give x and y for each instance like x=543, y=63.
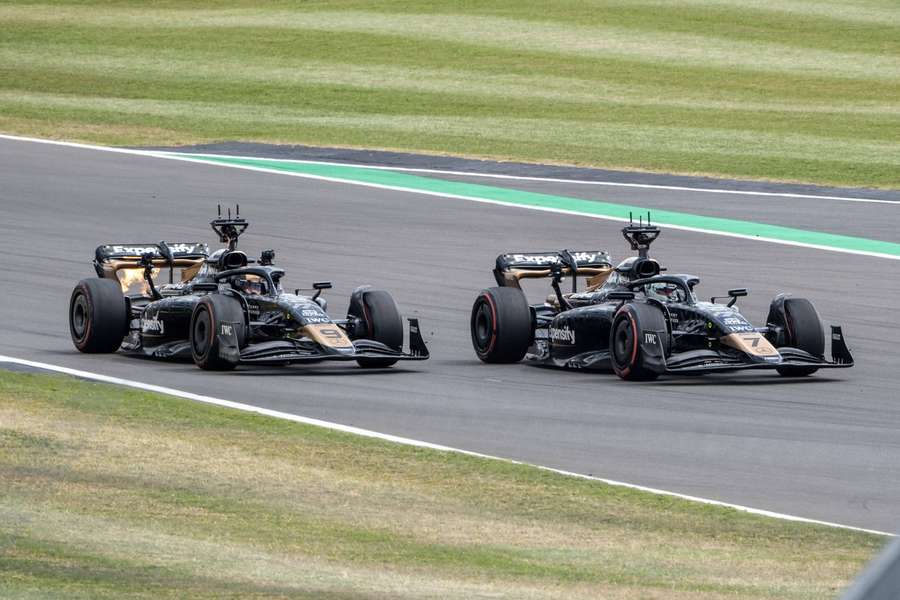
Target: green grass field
x=799, y=90
x=111, y=493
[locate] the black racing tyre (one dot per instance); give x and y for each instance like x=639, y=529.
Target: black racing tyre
x=501, y=325
x=803, y=330
x=382, y=323
x=98, y=315
x=207, y=317
x=625, y=352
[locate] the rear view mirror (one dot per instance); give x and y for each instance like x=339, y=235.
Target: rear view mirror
x=733, y=294
x=322, y=285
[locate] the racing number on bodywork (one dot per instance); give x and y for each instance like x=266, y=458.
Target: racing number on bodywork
x=751, y=343
x=329, y=335
x=332, y=334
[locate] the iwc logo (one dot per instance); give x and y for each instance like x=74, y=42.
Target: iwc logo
x=562, y=335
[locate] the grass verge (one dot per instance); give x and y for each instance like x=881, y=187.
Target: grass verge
x=110, y=492
x=789, y=90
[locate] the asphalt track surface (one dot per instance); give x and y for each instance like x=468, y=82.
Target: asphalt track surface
x=825, y=447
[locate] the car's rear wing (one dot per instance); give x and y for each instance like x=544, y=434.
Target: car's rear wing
x=514, y=266
x=109, y=258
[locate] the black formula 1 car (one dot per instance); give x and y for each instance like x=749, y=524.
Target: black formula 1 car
x=226, y=309
x=639, y=323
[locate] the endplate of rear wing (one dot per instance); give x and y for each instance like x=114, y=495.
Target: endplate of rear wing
x=513, y=266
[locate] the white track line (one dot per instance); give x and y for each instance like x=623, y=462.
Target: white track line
x=560, y=211
x=406, y=441
x=167, y=154
x=210, y=161
x=552, y=179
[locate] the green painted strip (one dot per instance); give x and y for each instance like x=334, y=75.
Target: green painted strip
x=577, y=205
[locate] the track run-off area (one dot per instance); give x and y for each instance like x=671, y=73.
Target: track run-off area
x=824, y=447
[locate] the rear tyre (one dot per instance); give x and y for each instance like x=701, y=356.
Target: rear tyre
x=208, y=316
x=501, y=325
x=803, y=330
x=625, y=351
x=382, y=323
x=98, y=316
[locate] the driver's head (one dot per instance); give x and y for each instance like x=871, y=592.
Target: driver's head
x=666, y=291
x=249, y=286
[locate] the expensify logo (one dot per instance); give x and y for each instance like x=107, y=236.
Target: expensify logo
x=139, y=250
x=562, y=335
x=544, y=259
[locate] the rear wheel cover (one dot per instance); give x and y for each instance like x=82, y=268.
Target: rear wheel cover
x=624, y=346
x=80, y=319
x=484, y=325
x=200, y=340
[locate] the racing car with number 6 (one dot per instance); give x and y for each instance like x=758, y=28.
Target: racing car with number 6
x=226, y=309
x=638, y=322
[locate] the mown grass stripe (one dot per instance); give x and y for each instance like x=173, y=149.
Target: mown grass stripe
x=595, y=208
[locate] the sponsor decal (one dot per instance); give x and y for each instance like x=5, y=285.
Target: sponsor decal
x=739, y=328
x=563, y=335
x=650, y=337
x=546, y=259
x=737, y=324
x=226, y=329
x=139, y=250
x=153, y=325
x=311, y=320
x=310, y=312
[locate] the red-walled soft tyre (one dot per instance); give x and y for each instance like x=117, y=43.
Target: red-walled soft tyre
x=98, y=316
x=625, y=351
x=501, y=325
x=208, y=315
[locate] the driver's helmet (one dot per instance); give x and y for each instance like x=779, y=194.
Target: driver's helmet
x=663, y=291
x=251, y=286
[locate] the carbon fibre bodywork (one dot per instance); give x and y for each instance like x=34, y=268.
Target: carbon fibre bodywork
x=656, y=319
x=254, y=321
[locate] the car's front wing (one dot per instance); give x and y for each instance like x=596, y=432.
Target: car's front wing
x=708, y=361
x=289, y=351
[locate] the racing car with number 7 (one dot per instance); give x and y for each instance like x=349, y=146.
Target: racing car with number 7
x=226, y=309
x=638, y=322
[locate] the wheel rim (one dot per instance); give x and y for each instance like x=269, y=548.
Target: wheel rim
x=80, y=317
x=623, y=342
x=200, y=341
x=483, y=326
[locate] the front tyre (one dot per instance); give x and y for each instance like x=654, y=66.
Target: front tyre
x=98, y=316
x=501, y=325
x=216, y=318
x=802, y=330
x=629, y=327
x=381, y=322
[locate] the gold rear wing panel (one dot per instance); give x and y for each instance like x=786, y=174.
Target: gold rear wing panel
x=595, y=265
